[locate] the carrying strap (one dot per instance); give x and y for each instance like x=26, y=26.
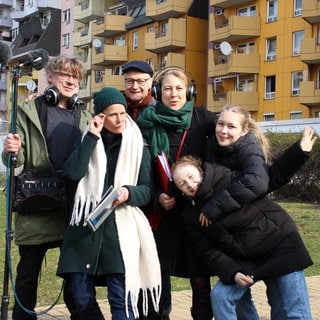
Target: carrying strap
x=183, y=138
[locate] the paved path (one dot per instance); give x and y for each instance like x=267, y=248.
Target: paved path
x=182, y=303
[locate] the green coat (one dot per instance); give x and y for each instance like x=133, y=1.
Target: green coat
x=98, y=253
x=37, y=228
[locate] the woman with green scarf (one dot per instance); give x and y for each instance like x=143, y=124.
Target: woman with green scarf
x=176, y=127
x=163, y=126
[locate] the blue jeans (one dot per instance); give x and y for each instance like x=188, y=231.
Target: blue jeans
x=232, y=302
x=288, y=297
x=81, y=297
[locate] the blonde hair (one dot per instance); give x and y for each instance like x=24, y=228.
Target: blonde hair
x=63, y=63
x=251, y=125
x=176, y=71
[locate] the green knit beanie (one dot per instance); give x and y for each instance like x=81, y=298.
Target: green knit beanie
x=106, y=97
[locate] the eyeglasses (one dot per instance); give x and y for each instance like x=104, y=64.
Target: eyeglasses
x=140, y=82
x=66, y=76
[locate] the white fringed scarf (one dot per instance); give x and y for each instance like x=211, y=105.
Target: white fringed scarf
x=138, y=248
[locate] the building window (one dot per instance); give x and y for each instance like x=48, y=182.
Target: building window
x=98, y=76
x=297, y=37
x=271, y=47
x=245, y=48
x=247, y=11
x=318, y=35
x=297, y=8
x=246, y=85
x=297, y=77
x=135, y=41
x=117, y=71
x=120, y=41
x=163, y=29
x=268, y=117
x=66, y=16
x=294, y=115
x=14, y=33
x=272, y=10
x=66, y=40
x=149, y=61
x=270, y=87
x=317, y=114
x=318, y=79
x=45, y=19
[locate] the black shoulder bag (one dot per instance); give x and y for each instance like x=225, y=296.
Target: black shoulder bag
x=38, y=191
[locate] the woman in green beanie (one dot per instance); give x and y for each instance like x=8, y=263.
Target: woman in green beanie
x=121, y=252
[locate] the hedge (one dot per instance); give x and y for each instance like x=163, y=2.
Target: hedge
x=305, y=185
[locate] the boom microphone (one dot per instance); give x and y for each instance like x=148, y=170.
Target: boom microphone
x=5, y=53
x=37, y=59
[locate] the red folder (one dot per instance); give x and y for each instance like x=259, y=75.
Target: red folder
x=163, y=173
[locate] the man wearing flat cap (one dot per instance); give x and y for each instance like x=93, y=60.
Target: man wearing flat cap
x=138, y=82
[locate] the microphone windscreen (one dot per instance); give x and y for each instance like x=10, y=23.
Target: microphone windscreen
x=38, y=64
x=5, y=53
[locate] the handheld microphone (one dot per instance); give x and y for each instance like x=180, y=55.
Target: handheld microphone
x=5, y=53
x=37, y=59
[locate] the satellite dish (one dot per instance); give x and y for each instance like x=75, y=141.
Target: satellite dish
x=31, y=85
x=97, y=43
x=225, y=48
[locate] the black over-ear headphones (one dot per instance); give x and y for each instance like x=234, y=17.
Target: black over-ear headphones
x=156, y=85
x=52, y=96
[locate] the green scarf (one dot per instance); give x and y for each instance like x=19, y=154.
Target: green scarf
x=154, y=120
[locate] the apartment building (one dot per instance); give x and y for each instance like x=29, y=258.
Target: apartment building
x=265, y=55
x=162, y=33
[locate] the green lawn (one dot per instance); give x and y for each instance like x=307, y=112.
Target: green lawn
x=305, y=215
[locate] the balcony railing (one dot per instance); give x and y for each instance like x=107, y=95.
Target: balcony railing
x=166, y=9
x=234, y=28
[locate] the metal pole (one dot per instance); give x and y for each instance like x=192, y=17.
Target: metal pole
x=16, y=74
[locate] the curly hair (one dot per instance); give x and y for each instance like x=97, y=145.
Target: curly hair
x=72, y=65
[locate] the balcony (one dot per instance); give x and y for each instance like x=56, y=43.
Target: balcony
x=249, y=100
x=309, y=93
x=86, y=57
x=160, y=10
x=107, y=79
x=110, y=25
x=234, y=28
x=236, y=63
x=226, y=3
x=311, y=11
x=85, y=89
x=45, y=4
x=310, y=51
x=173, y=39
x=6, y=22
x=110, y=54
x=88, y=10
x=17, y=15
x=6, y=3
x=172, y=59
x=83, y=37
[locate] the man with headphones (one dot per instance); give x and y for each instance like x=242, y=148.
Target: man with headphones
x=47, y=128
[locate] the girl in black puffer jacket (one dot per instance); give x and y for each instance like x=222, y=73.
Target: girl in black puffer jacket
x=259, y=241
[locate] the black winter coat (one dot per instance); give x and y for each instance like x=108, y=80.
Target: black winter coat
x=260, y=239
x=176, y=252
x=246, y=157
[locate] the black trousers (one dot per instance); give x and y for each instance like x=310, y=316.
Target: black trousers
x=26, y=284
